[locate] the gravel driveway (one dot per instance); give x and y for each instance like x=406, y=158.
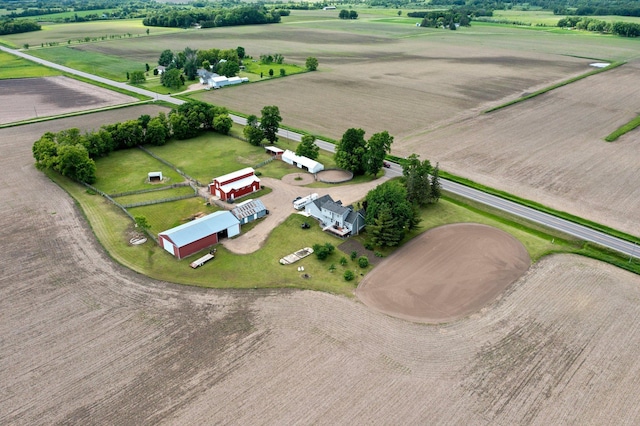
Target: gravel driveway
x=280, y=205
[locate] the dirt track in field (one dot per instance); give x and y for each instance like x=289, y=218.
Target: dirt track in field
x=445, y=274
x=27, y=98
x=85, y=341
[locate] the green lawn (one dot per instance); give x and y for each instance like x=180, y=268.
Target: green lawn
x=155, y=195
x=14, y=67
x=169, y=215
x=257, y=68
x=126, y=170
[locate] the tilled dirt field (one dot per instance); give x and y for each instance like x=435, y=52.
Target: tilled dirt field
x=551, y=149
x=84, y=341
x=445, y=273
x=26, y=98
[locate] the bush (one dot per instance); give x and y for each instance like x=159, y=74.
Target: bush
x=348, y=275
x=323, y=251
x=363, y=261
x=368, y=245
x=378, y=254
x=343, y=261
x=353, y=255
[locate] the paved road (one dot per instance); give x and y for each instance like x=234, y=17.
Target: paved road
x=579, y=231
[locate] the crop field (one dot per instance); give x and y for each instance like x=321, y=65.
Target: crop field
x=88, y=341
x=551, y=149
x=26, y=98
x=62, y=33
x=91, y=337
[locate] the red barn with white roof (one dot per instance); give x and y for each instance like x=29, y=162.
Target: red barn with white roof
x=235, y=185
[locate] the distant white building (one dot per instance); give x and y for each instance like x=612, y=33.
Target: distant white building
x=312, y=166
x=217, y=81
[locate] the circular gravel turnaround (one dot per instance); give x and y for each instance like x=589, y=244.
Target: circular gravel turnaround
x=299, y=179
x=445, y=273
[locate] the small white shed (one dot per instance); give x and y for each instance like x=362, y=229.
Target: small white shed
x=154, y=177
x=305, y=163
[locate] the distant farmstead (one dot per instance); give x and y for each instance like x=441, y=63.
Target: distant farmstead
x=191, y=237
x=235, y=185
x=301, y=162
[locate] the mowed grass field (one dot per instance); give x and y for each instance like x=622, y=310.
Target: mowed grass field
x=14, y=67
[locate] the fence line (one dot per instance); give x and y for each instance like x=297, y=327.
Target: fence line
x=163, y=200
x=120, y=206
x=264, y=163
x=144, y=191
x=168, y=164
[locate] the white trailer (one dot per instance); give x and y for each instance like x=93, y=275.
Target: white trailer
x=299, y=204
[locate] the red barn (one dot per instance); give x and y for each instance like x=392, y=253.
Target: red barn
x=235, y=185
x=201, y=233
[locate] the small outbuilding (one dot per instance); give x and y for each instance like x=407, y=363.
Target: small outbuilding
x=154, y=177
x=235, y=185
x=191, y=237
x=274, y=151
x=249, y=210
x=304, y=163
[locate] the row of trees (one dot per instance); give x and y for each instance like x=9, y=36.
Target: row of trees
x=441, y=18
x=208, y=17
x=10, y=26
x=73, y=154
x=360, y=156
x=348, y=14
x=393, y=208
x=623, y=29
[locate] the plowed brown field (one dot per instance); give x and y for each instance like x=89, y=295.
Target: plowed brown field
x=84, y=341
x=26, y=98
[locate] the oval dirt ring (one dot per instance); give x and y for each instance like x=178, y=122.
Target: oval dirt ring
x=445, y=273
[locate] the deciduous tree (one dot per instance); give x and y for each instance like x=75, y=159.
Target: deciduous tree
x=270, y=122
x=308, y=148
x=311, y=63
x=166, y=57
x=377, y=148
x=351, y=150
x=388, y=213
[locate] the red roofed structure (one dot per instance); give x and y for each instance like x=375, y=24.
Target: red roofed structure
x=235, y=185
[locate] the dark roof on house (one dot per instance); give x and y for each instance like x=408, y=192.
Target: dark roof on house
x=353, y=215
x=335, y=207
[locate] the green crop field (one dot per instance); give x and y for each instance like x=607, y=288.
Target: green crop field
x=14, y=67
x=112, y=67
x=62, y=33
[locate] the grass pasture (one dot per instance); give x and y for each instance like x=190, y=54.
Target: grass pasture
x=14, y=67
x=126, y=170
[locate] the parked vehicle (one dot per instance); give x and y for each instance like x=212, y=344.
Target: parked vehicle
x=386, y=165
x=299, y=204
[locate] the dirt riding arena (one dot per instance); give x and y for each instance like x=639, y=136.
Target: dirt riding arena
x=27, y=98
x=445, y=274
x=87, y=341
x=334, y=176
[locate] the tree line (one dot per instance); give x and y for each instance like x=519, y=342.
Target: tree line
x=619, y=28
x=73, y=154
x=208, y=17
x=11, y=26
